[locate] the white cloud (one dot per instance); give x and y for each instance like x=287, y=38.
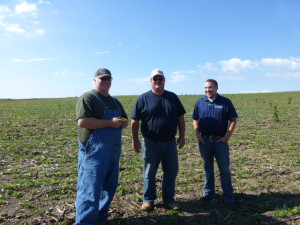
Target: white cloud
x=256, y=91
x=141, y=80
x=236, y=65
x=277, y=63
x=81, y=74
x=63, y=73
x=266, y=91
x=184, y=72
x=25, y=7
x=40, y=32
x=67, y=73
x=32, y=60
x=14, y=28
x=176, y=76
x=285, y=74
x=272, y=67
x=103, y=52
x=179, y=78
x=4, y=9
x=208, y=66
x=21, y=19
x=189, y=71
x=231, y=78
x=43, y=2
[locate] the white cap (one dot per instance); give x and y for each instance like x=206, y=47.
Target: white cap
x=157, y=72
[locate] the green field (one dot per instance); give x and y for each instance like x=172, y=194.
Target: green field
x=38, y=165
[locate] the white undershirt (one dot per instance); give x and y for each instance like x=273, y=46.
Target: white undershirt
x=211, y=99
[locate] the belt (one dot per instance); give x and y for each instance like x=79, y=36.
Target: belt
x=212, y=137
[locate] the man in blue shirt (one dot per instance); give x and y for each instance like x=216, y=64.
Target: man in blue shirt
x=214, y=120
x=160, y=112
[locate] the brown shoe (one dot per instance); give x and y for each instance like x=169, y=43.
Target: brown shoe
x=172, y=205
x=147, y=206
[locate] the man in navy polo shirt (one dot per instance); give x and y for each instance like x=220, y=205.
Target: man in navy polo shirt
x=160, y=112
x=214, y=120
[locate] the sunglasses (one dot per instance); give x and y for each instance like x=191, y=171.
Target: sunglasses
x=106, y=78
x=158, y=78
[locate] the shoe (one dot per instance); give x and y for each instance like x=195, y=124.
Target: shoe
x=206, y=198
x=147, y=206
x=172, y=205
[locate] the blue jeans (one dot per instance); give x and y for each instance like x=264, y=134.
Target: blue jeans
x=98, y=172
x=154, y=153
x=209, y=150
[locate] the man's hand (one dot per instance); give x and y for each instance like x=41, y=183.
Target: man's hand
x=180, y=142
x=231, y=128
x=136, y=145
x=224, y=139
x=125, y=123
x=116, y=122
x=198, y=134
x=200, y=139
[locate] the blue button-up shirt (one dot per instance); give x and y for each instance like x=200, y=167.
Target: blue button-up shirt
x=213, y=117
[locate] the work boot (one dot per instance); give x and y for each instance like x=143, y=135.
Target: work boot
x=147, y=206
x=172, y=205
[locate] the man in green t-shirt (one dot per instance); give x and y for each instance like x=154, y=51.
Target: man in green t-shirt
x=100, y=119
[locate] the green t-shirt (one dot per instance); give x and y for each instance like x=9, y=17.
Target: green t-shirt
x=89, y=106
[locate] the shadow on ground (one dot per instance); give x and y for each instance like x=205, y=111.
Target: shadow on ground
x=252, y=209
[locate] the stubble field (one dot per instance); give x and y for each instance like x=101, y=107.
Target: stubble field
x=38, y=166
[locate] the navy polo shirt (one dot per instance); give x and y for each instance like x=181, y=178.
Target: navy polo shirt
x=159, y=115
x=213, y=117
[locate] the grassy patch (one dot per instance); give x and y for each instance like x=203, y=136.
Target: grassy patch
x=38, y=152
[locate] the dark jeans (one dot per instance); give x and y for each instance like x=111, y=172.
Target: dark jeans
x=213, y=149
x=154, y=153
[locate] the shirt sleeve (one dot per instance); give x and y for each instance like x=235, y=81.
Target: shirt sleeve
x=122, y=109
x=181, y=110
x=84, y=107
x=136, y=111
x=232, y=114
x=195, y=114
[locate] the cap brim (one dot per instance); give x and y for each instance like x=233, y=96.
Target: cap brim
x=156, y=75
x=104, y=75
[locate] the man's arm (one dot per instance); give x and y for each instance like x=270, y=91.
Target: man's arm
x=136, y=144
x=181, y=129
x=232, y=125
x=94, y=123
x=196, y=128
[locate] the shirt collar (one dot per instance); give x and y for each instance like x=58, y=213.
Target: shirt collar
x=209, y=100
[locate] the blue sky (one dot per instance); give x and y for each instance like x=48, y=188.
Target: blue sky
x=52, y=48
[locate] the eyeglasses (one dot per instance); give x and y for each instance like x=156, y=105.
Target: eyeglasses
x=105, y=78
x=158, y=78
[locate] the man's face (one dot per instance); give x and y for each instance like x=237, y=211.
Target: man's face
x=102, y=84
x=210, y=90
x=158, y=83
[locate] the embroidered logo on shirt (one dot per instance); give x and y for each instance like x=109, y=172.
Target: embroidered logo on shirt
x=218, y=106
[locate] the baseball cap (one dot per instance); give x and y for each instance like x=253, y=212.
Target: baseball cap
x=102, y=73
x=157, y=72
